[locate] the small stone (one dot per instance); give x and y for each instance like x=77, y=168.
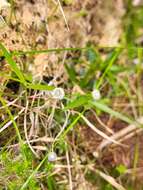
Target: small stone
x=52, y=157
x=96, y=94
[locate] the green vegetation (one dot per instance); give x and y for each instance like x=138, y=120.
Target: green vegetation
x=115, y=71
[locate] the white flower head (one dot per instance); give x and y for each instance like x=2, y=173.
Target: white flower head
x=4, y=4
x=58, y=93
x=95, y=154
x=136, y=2
x=136, y=61
x=96, y=94
x=52, y=157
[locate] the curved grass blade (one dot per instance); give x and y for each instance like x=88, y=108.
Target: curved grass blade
x=110, y=111
x=12, y=64
x=79, y=101
x=109, y=62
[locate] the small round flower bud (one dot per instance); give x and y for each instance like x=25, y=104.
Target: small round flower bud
x=52, y=157
x=136, y=61
x=96, y=94
x=95, y=154
x=58, y=93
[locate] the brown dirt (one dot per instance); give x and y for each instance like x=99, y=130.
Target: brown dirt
x=113, y=155
x=39, y=24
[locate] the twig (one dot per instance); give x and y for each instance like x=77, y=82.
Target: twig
x=120, y=134
x=10, y=122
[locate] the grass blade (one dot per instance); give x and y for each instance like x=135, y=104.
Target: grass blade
x=12, y=119
x=33, y=52
x=79, y=101
x=109, y=62
x=110, y=111
x=39, y=87
x=12, y=64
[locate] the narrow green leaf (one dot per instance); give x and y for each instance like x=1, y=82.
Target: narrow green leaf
x=12, y=63
x=71, y=126
x=110, y=111
x=39, y=86
x=33, y=173
x=79, y=101
x=109, y=62
x=12, y=119
x=71, y=72
x=32, y=52
x=92, y=55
